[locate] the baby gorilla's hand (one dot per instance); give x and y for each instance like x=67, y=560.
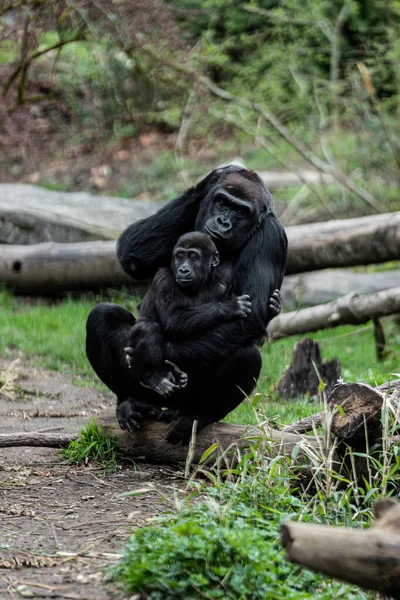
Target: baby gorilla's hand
x=180, y=377
x=243, y=306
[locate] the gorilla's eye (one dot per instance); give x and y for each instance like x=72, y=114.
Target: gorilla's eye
x=193, y=256
x=221, y=202
x=179, y=255
x=240, y=211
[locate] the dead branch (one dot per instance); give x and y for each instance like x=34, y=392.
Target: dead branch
x=35, y=438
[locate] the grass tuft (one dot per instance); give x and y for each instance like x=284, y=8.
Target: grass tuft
x=93, y=445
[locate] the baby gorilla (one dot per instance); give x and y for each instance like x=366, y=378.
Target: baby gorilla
x=183, y=300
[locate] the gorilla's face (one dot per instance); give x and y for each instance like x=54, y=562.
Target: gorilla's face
x=228, y=219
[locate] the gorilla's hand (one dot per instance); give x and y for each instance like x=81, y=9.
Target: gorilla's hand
x=275, y=304
x=130, y=412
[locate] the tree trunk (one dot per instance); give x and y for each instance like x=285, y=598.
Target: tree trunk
x=347, y=310
x=368, y=558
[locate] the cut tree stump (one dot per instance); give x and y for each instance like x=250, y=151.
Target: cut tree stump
x=367, y=558
x=301, y=376
x=360, y=413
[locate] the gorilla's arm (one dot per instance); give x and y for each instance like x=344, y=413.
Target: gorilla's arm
x=147, y=244
x=187, y=322
x=165, y=304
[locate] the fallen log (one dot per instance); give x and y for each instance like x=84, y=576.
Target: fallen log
x=319, y=287
x=347, y=310
x=30, y=214
x=47, y=268
x=367, y=558
x=343, y=243
x=360, y=410
x=148, y=443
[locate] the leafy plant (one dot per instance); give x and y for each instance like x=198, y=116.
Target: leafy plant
x=225, y=546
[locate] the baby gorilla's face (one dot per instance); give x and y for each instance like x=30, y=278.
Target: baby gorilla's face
x=193, y=259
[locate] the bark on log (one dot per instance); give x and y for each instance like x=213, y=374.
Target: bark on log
x=316, y=246
x=367, y=558
x=148, y=443
x=347, y=310
x=345, y=242
x=48, y=268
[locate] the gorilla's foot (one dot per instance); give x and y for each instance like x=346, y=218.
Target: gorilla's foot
x=168, y=415
x=181, y=431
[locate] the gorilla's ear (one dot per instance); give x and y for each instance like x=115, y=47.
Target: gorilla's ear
x=215, y=259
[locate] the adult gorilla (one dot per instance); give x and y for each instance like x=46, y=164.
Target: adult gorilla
x=223, y=362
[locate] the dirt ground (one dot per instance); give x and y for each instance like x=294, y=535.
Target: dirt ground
x=62, y=525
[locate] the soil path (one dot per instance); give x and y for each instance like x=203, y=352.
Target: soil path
x=62, y=525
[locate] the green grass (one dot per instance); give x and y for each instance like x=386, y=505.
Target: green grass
x=93, y=445
x=54, y=337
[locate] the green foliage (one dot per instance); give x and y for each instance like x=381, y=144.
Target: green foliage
x=225, y=546
x=93, y=445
